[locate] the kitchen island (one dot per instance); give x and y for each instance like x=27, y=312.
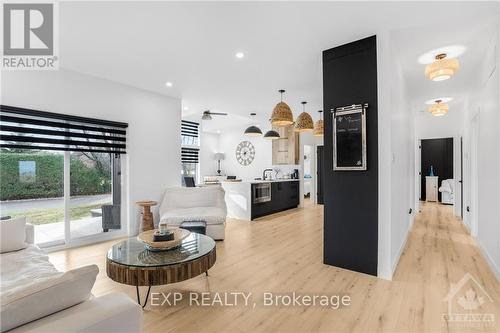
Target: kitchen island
x=249, y=200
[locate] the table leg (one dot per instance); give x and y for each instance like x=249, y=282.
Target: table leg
x=139, y=298
x=206, y=273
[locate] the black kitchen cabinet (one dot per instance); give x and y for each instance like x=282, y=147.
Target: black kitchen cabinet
x=284, y=195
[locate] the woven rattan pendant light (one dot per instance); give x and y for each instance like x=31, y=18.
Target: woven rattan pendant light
x=304, y=121
x=441, y=69
x=319, y=126
x=282, y=114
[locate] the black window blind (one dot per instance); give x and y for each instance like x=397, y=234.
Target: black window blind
x=189, y=128
x=189, y=155
x=22, y=128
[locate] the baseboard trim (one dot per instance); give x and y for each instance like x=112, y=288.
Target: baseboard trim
x=403, y=245
x=489, y=260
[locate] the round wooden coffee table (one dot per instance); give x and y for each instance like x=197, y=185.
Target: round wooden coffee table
x=128, y=262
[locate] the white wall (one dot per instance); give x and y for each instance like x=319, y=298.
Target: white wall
x=396, y=159
x=403, y=168
x=485, y=104
x=152, y=162
x=429, y=127
x=209, y=145
x=229, y=140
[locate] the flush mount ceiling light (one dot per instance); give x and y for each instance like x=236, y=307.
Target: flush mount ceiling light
x=253, y=130
x=169, y=84
x=304, y=121
x=282, y=114
x=442, y=99
x=439, y=108
x=441, y=69
x=319, y=126
x=239, y=55
x=452, y=51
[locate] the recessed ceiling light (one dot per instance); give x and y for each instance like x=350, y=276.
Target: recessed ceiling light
x=186, y=108
x=169, y=84
x=442, y=99
x=239, y=55
x=451, y=51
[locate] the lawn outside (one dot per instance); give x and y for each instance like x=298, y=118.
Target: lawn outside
x=53, y=215
x=46, y=211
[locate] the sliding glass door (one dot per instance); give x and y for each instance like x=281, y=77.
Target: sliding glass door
x=91, y=197
x=65, y=195
x=32, y=185
x=62, y=172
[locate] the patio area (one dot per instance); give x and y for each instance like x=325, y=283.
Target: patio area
x=55, y=231
x=47, y=215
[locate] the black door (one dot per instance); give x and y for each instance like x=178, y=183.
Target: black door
x=319, y=173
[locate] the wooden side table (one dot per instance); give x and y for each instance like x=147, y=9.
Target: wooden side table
x=147, y=217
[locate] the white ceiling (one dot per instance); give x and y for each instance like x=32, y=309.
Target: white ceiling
x=192, y=45
x=412, y=43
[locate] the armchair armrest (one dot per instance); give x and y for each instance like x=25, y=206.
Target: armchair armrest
x=30, y=233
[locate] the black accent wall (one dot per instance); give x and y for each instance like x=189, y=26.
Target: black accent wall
x=351, y=197
x=439, y=154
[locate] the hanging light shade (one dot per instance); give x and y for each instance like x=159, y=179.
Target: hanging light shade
x=439, y=108
x=441, y=69
x=304, y=121
x=272, y=135
x=319, y=126
x=282, y=114
x=253, y=130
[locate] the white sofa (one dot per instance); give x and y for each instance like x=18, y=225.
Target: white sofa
x=447, y=191
x=207, y=204
x=35, y=297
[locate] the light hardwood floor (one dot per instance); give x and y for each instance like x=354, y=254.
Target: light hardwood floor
x=283, y=253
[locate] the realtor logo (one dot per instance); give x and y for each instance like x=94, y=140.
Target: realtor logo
x=29, y=36
x=467, y=301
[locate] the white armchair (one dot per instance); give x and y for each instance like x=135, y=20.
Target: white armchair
x=181, y=204
x=447, y=191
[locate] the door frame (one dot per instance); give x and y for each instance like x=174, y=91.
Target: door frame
x=473, y=198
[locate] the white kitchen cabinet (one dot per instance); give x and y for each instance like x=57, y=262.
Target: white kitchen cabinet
x=431, y=188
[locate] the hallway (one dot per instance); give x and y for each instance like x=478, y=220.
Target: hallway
x=439, y=252
x=282, y=254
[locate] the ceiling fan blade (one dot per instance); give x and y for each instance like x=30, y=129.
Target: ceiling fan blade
x=218, y=113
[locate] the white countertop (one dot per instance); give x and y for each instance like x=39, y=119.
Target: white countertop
x=262, y=181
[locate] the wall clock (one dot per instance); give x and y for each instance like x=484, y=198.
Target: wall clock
x=245, y=153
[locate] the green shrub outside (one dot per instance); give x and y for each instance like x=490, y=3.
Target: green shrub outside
x=49, y=179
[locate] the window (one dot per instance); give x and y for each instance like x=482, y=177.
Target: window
x=62, y=172
x=190, y=146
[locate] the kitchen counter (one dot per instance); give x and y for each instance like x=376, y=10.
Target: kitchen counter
x=260, y=181
x=242, y=204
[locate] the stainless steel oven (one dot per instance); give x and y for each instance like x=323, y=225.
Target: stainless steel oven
x=261, y=192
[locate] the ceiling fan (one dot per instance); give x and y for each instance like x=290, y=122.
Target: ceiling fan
x=207, y=115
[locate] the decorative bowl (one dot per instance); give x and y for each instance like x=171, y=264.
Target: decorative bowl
x=147, y=238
